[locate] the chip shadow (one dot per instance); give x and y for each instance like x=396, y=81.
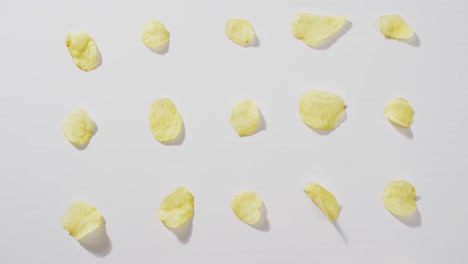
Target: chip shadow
x=84, y=146
x=184, y=233
x=407, y=132
x=254, y=43
x=414, y=220
x=340, y=231
x=161, y=50
x=97, y=242
x=326, y=44
x=263, y=224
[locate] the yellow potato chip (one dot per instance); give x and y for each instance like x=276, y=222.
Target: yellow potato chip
x=81, y=219
x=239, y=31
x=78, y=127
x=321, y=110
x=83, y=50
x=165, y=121
x=400, y=198
x=155, y=35
x=395, y=27
x=245, y=117
x=324, y=200
x=177, y=208
x=314, y=29
x=247, y=206
x=399, y=112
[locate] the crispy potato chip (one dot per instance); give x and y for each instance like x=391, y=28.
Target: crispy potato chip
x=155, y=35
x=83, y=50
x=324, y=200
x=81, y=219
x=395, y=27
x=400, y=198
x=247, y=206
x=239, y=31
x=399, y=112
x=165, y=121
x=78, y=127
x=314, y=29
x=245, y=117
x=321, y=110
x=177, y=208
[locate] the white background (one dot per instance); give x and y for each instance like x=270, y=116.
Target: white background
x=125, y=173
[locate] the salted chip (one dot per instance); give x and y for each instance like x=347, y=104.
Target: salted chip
x=395, y=27
x=245, y=117
x=399, y=112
x=83, y=50
x=165, y=121
x=314, y=29
x=155, y=35
x=324, y=199
x=400, y=198
x=177, y=208
x=239, y=31
x=247, y=206
x=81, y=219
x=321, y=110
x=78, y=127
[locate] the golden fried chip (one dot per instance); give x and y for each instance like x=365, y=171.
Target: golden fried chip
x=399, y=112
x=165, y=121
x=245, y=117
x=400, y=198
x=395, y=27
x=177, y=208
x=155, y=35
x=247, y=206
x=314, y=29
x=324, y=200
x=321, y=110
x=81, y=219
x=83, y=50
x=239, y=31
x=78, y=127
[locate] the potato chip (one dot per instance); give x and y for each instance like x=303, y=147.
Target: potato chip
x=399, y=112
x=324, y=199
x=321, y=110
x=247, y=206
x=165, y=121
x=78, y=127
x=314, y=29
x=83, y=50
x=395, y=27
x=400, y=198
x=81, y=219
x=177, y=208
x=245, y=117
x=155, y=35
x=239, y=31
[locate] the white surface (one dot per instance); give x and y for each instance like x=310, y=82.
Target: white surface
x=126, y=173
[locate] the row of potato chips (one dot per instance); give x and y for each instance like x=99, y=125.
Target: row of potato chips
x=312, y=29
x=318, y=109
x=176, y=209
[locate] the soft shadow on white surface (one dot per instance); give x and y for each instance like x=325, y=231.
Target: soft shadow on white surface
x=162, y=50
x=84, y=146
x=414, y=220
x=179, y=140
x=262, y=123
x=326, y=44
x=414, y=41
x=255, y=43
x=327, y=132
x=99, y=57
x=407, y=132
x=184, y=233
x=340, y=232
x=263, y=224
x=97, y=242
